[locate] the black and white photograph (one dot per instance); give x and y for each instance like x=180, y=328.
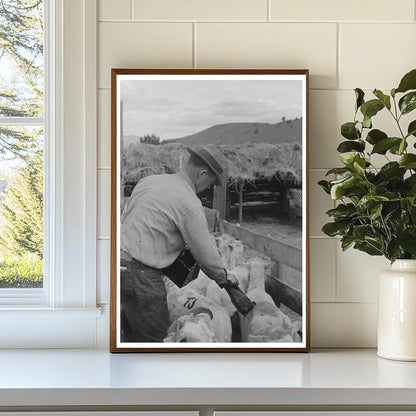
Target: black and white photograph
x=209, y=215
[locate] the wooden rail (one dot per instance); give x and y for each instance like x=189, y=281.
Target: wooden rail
x=282, y=292
x=281, y=253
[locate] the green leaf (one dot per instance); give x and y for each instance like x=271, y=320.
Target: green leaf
x=369, y=201
x=338, y=189
x=359, y=165
x=383, y=145
x=368, y=248
x=375, y=212
x=398, y=149
x=408, y=102
x=348, y=158
x=367, y=122
x=408, y=82
x=411, y=130
x=359, y=94
x=407, y=239
x=408, y=161
x=402, y=147
x=361, y=231
x=371, y=108
x=346, y=242
x=391, y=170
x=336, y=228
x=385, y=99
x=325, y=186
x=349, y=146
x=349, y=131
x=342, y=211
x=338, y=171
x=393, y=250
x=375, y=136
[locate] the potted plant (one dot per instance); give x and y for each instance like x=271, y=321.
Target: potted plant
x=376, y=209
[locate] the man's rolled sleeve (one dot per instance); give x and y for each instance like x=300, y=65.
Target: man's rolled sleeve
x=201, y=243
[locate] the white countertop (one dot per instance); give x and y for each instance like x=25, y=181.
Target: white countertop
x=96, y=377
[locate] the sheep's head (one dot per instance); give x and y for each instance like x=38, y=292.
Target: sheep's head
x=191, y=328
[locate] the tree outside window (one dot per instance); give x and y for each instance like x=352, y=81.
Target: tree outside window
x=21, y=143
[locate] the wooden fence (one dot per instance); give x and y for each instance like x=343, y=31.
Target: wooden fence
x=279, y=252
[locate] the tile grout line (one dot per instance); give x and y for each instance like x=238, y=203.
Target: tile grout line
x=308, y=22
x=355, y=302
x=131, y=9
x=336, y=271
x=194, y=63
x=269, y=10
x=338, y=63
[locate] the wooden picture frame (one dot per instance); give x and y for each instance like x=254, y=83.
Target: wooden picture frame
x=258, y=121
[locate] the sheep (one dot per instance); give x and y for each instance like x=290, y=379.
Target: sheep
x=265, y=322
x=231, y=250
x=200, y=284
x=187, y=305
x=220, y=296
x=190, y=328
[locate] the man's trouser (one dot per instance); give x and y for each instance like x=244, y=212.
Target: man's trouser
x=144, y=309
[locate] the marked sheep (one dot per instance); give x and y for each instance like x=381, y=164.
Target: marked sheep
x=192, y=313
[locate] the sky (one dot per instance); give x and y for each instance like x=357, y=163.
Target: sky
x=172, y=109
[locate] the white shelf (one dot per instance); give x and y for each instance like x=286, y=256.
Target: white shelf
x=56, y=378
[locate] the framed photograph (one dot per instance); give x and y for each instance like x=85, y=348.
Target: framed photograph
x=209, y=211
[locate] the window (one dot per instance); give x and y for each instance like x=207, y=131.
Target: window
x=63, y=312
x=22, y=132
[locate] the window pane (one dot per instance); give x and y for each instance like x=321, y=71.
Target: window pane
x=21, y=58
x=21, y=207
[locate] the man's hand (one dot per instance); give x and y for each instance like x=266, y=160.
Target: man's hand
x=232, y=279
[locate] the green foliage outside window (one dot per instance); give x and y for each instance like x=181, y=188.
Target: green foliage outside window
x=21, y=147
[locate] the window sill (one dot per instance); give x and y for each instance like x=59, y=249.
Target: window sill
x=35, y=311
x=40, y=327
x=331, y=379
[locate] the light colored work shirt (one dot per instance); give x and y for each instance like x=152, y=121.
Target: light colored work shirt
x=162, y=216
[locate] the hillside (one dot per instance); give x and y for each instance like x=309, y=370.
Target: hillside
x=238, y=133
x=289, y=131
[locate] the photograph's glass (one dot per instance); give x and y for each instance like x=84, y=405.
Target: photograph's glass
x=209, y=243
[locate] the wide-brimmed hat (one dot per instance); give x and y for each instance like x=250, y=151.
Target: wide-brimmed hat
x=214, y=159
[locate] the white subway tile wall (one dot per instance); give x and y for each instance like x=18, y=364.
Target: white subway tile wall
x=145, y=45
x=103, y=271
x=200, y=10
x=104, y=128
x=367, y=50
x=338, y=325
x=355, y=10
x=357, y=275
x=114, y=10
x=323, y=269
x=270, y=45
x=104, y=202
x=344, y=44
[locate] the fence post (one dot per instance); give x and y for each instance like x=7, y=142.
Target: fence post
x=220, y=199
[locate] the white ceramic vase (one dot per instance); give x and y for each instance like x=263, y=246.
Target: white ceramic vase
x=397, y=312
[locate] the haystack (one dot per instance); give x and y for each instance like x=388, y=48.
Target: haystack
x=247, y=162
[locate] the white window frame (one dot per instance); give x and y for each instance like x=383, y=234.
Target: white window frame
x=64, y=312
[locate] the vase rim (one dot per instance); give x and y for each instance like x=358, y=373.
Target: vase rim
x=404, y=264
